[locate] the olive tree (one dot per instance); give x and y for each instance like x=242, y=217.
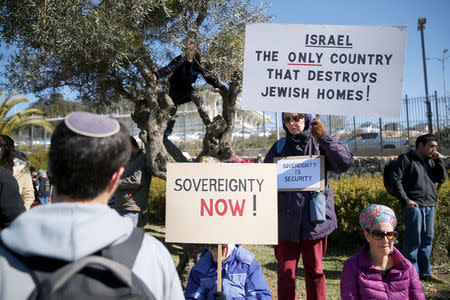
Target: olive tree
x=107, y=50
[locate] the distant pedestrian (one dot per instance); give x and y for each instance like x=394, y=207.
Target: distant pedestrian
x=44, y=189
x=259, y=158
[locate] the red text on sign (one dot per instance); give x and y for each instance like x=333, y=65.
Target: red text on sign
x=220, y=206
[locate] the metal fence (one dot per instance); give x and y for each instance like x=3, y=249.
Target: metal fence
x=255, y=132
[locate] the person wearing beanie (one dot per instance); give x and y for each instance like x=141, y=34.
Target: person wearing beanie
x=379, y=270
x=297, y=233
x=242, y=276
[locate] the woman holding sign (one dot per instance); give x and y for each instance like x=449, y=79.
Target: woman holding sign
x=297, y=234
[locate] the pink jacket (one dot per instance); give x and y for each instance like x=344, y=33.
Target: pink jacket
x=360, y=279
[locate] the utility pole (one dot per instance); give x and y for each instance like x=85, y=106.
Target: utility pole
x=421, y=26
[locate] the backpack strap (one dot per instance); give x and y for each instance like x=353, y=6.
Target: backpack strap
x=280, y=144
x=126, y=252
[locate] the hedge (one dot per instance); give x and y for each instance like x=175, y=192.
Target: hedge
x=352, y=194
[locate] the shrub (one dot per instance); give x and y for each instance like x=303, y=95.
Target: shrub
x=352, y=194
x=39, y=157
x=157, y=204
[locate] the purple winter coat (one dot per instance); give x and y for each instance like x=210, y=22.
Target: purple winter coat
x=294, y=222
x=360, y=279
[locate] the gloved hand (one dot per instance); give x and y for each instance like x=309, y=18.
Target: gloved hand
x=317, y=129
x=219, y=296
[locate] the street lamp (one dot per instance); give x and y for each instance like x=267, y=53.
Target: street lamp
x=442, y=60
x=421, y=26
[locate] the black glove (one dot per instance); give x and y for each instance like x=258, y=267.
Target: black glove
x=219, y=296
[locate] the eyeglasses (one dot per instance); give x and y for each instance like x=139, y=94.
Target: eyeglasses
x=379, y=235
x=296, y=118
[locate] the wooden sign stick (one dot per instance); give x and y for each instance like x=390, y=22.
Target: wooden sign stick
x=219, y=268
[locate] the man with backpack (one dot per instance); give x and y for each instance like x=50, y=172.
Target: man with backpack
x=414, y=176
x=79, y=248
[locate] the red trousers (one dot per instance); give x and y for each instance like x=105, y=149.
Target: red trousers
x=288, y=254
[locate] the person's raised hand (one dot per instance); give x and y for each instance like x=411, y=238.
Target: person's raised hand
x=317, y=129
x=435, y=154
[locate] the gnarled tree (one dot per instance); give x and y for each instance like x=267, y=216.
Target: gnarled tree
x=107, y=50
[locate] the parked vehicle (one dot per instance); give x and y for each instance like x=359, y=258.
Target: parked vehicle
x=340, y=131
x=392, y=127
x=176, y=137
x=371, y=141
x=242, y=133
x=198, y=135
x=266, y=133
x=423, y=127
x=368, y=127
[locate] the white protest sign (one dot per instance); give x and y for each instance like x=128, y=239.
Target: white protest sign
x=221, y=203
x=324, y=69
x=301, y=173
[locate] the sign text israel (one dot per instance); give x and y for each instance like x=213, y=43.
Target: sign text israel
x=337, y=70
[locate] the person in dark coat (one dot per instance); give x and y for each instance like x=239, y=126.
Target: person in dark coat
x=11, y=204
x=131, y=198
x=414, y=176
x=296, y=233
x=185, y=69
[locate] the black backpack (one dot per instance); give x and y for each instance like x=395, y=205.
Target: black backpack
x=388, y=170
x=104, y=275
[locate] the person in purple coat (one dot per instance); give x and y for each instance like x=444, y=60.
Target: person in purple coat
x=379, y=270
x=296, y=232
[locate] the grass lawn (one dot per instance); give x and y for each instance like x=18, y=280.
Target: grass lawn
x=332, y=264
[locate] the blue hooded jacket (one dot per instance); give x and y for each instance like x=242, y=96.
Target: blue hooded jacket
x=293, y=207
x=242, y=277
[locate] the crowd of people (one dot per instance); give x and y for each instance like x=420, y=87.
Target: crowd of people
x=93, y=162
x=84, y=213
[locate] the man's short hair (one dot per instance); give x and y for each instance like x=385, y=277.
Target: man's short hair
x=424, y=139
x=82, y=166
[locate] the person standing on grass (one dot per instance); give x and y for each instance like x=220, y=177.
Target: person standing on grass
x=131, y=198
x=44, y=189
x=379, y=270
x=415, y=175
x=297, y=234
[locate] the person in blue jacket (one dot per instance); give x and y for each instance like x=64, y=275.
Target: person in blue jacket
x=297, y=234
x=185, y=69
x=242, y=277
